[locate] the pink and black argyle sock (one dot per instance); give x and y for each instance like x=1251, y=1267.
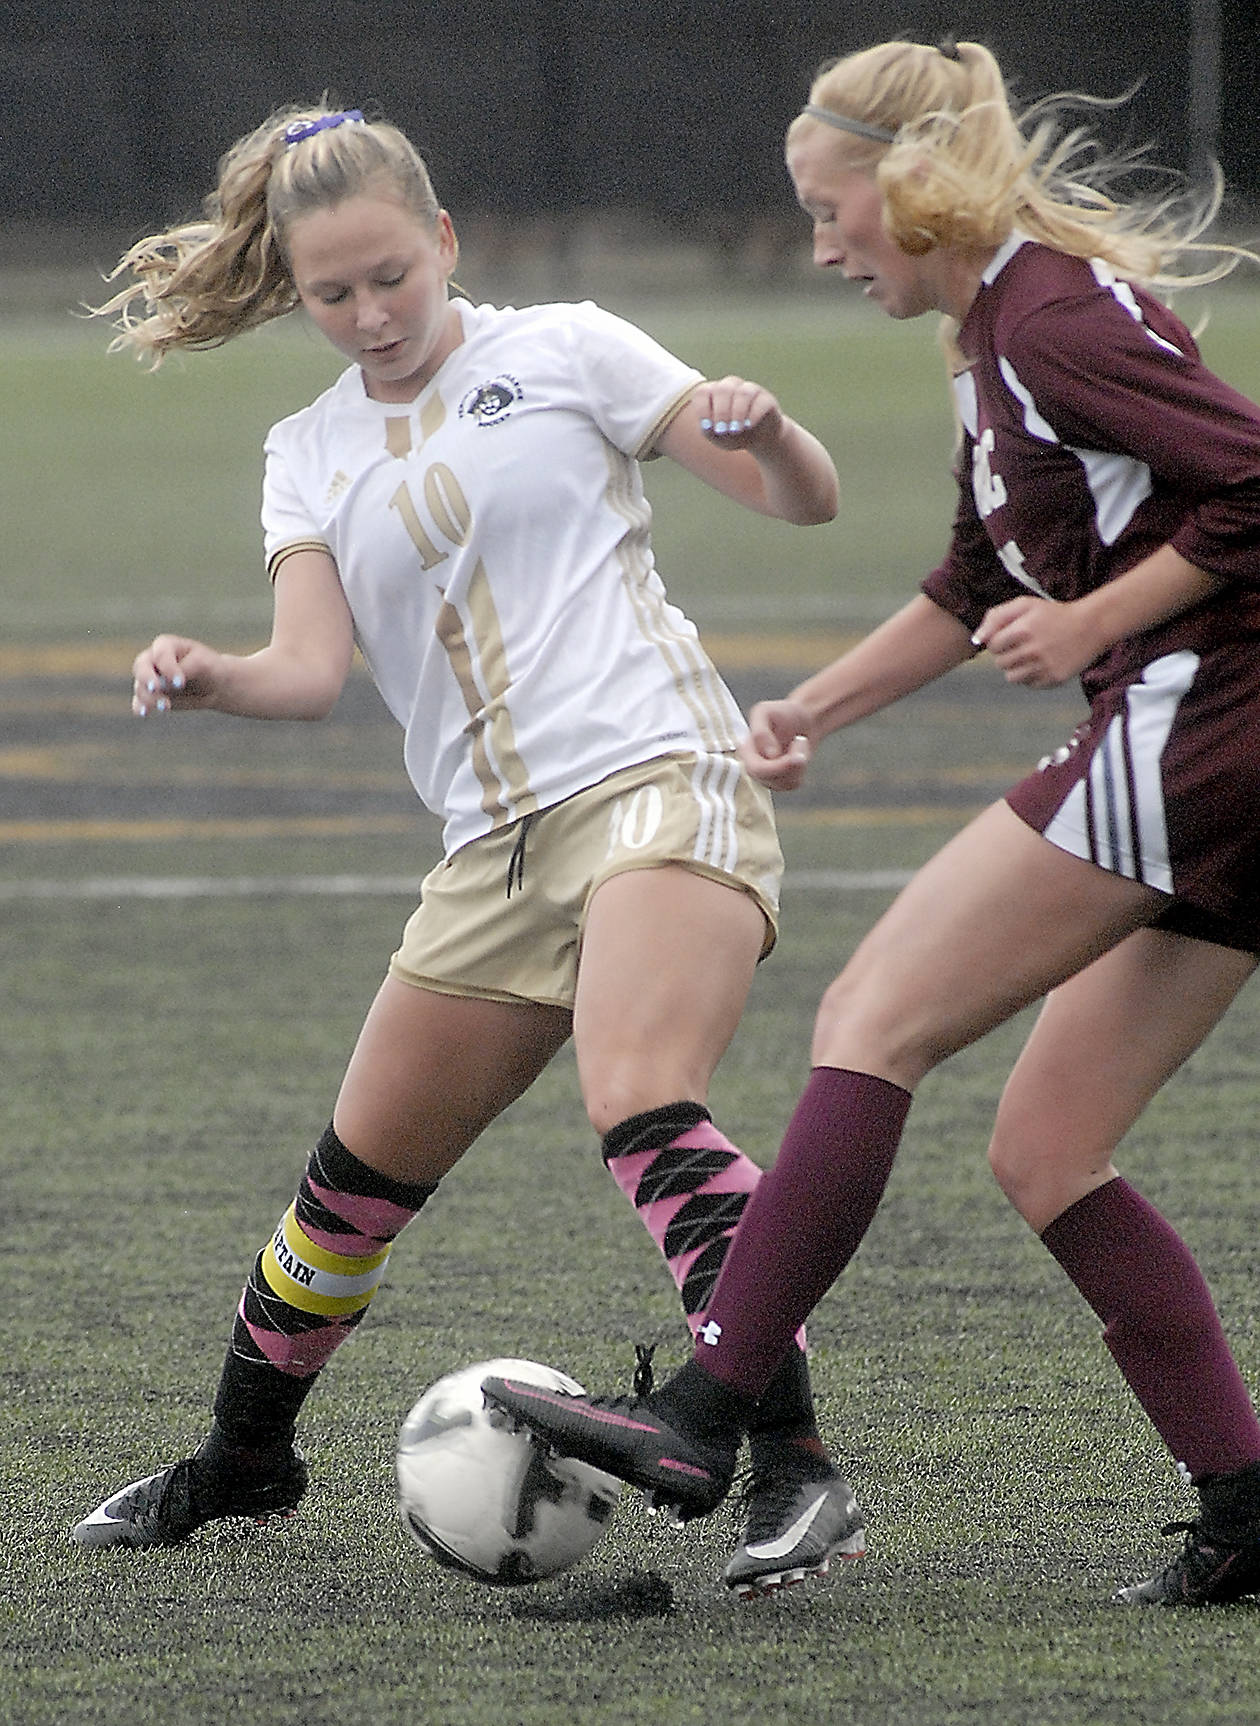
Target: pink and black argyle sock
x=310, y=1287
x=689, y=1185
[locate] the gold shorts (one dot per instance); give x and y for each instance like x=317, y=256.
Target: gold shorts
x=502, y=919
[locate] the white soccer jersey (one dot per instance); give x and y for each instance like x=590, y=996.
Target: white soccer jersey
x=492, y=541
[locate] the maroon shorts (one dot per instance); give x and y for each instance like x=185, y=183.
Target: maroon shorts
x=1162, y=785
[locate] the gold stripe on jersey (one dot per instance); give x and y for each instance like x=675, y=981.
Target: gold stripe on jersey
x=315, y=1280
x=505, y=792
x=282, y=551
x=695, y=677
x=432, y=417
x=398, y=435
x=647, y=450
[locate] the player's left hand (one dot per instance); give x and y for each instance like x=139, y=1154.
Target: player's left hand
x=1039, y=643
x=736, y=414
x=778, y=747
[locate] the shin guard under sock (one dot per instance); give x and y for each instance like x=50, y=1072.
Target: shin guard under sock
x=803, y=1224
x=1160, y=1324
x=310, y=1287
x=689, y=1185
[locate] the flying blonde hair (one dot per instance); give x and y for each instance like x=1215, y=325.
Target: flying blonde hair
x=200, y=284
x=957, y=167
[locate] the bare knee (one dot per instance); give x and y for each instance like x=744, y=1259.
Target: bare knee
x=615, y=1091
x=1043, y=1171
x=860, y=1028
x=1008, y=1159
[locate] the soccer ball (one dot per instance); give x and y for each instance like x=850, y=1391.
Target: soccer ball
x=489, y=1501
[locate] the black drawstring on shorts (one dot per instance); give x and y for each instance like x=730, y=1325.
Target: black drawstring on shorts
x=516, y=862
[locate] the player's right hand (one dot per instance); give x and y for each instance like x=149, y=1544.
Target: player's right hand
x=173, y=671
x=778, y=747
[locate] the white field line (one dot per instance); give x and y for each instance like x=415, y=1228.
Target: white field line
x=352, y=886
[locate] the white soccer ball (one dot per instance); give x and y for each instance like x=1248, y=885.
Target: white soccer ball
x=491, y=1502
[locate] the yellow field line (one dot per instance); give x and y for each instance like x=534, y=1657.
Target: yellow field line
x=105, y=764
x=737, y=649
x=146, y=832
x=68, y=658
x=150, y=831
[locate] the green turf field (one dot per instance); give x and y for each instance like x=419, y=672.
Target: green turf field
x=193, y=916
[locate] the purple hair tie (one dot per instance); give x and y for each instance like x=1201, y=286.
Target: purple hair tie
x=300, y=129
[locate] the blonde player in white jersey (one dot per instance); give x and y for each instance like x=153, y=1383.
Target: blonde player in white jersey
x=465, y=505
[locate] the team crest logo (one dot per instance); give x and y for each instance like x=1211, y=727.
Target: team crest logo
x=490, y=404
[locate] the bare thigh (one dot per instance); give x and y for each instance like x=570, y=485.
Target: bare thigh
x=431, y=1071
x=667, y=959
x=1102, y=1046
x=995, y=920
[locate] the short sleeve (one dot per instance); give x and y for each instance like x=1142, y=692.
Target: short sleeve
x=286, y=521
x=632, y=385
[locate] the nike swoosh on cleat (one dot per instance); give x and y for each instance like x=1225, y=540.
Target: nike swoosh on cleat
x=786, y=1543
x=101, y=1517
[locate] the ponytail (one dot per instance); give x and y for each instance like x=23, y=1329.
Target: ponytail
x=200, y=284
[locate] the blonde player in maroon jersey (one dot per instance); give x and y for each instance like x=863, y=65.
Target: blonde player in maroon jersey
x=465, y=505
x=1107, y=524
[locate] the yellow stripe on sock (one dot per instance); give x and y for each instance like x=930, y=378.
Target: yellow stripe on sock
x=314, y=1280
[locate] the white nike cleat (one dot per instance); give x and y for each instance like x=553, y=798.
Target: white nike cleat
x=163, y=1509
x=795, y=1526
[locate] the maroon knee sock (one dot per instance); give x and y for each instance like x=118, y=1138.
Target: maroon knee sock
x=802, y=1225
x=1160, y=1325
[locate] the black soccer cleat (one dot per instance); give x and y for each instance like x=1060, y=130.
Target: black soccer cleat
x=1219, y=1561
x=626, y=1437
x=1207, y=1571
x=163, y=1509
x=798, y=1518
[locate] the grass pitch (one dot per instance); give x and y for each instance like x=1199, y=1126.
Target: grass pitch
x=169, y=1060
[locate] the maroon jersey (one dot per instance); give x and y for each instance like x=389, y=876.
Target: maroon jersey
x=1092, y=434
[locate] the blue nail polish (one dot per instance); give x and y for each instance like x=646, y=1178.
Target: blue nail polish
x=177, y=682
x=706, y=425
x=720, y=427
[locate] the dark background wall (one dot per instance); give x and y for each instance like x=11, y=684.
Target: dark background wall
x=113, y=115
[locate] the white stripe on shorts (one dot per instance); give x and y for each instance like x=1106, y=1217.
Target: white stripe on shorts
x=713, y=783
x=1115, y=816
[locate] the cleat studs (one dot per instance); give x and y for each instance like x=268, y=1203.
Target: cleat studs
x=664, y=1511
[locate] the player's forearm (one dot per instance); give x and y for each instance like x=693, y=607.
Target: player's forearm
x=798, y=477
x=277, y=684
x=915, y=646
x=1162, y=586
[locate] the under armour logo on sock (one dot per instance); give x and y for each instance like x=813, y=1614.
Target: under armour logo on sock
x=709, y=1333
